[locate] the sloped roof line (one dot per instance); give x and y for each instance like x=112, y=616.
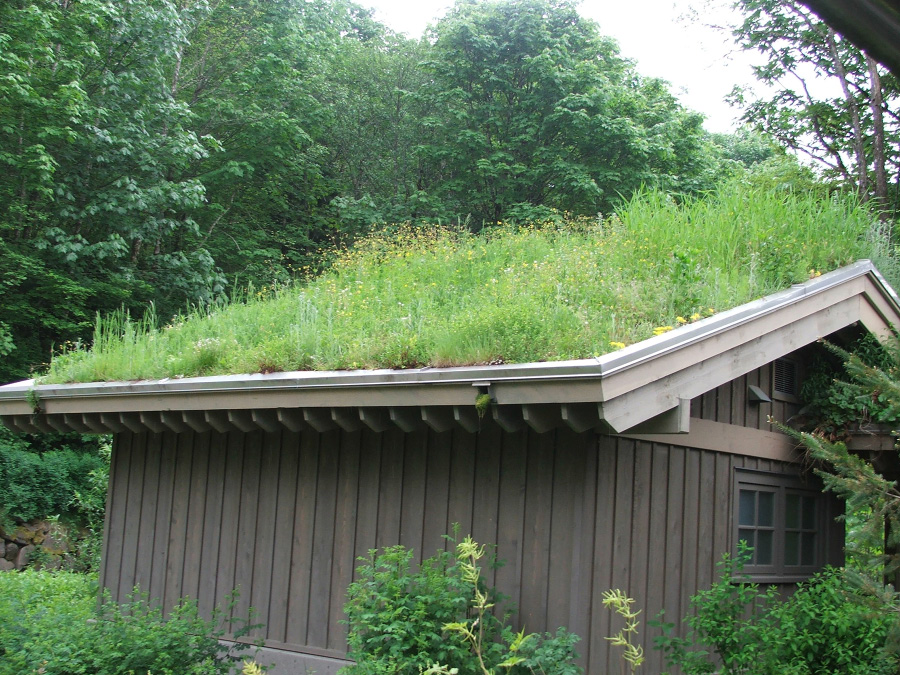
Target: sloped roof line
x=619, y=391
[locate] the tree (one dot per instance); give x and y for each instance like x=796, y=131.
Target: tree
x=94, y=210
x=249, y=75
x=854, y=132
x=532, y=108
x=874, y=384
x=375, y=122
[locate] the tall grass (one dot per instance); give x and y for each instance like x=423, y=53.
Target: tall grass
x=441, y=297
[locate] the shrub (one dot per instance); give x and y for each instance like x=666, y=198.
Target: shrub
x=438, y=620
x=50, y=623
x=834, y=404
x=41, y=477
x=396, y=615
x=826, y=627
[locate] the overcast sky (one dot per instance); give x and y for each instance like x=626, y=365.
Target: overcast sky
x=699, y=62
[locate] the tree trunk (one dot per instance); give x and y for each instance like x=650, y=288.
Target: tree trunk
x=876, y=103
x=858, y=149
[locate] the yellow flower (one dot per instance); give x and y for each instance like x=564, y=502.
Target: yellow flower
x=681, y=319
x=251, y=668
x=659, y=330
x=617, y=345
x=695, y=316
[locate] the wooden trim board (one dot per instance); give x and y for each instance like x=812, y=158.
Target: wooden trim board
x=730, y=439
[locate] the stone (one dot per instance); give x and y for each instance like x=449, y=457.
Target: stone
x=12, y=550
x=2, y=549
x=24, y=555
x=55, y=543
x=6, y=565
x=32, y=533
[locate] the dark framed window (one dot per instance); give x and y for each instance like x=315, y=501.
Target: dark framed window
x=784, y=520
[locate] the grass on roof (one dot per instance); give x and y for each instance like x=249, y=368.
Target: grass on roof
x=443, y=297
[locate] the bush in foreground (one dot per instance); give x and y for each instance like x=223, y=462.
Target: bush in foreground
x=438, y=620
x=50, y=623
x=827, y=627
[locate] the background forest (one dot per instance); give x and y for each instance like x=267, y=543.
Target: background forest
x=173, y=152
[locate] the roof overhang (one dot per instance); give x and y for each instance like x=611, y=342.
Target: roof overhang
x=872, y=25
x=643, y=388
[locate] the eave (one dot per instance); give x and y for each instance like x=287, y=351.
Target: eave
x=644, y=388
x=872, y=25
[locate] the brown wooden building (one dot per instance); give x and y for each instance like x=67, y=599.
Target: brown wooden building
x=636, y=470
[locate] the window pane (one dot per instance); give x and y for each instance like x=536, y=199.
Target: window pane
x=749, y=536
x=792, y=513
x=766, y=514
x=764, y=547
x=747, y=514
x=791, y=548
x=809, y=513
x=808, y=548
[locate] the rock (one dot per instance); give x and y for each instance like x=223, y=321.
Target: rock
x=12, y=550
x=6, y=566
x=52, y=562
x=24, y=555
x=2, y=549
x=55, y=543
x=32, y=533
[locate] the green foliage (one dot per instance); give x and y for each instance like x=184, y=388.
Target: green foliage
x=441, y=296
x=849, y=125
x=827, y=627
x=832, y=403
x=396, y=615
x=438, y=620
x=51, y=623
x=872, y=501
x=95, y=208
x=620, y=603
x=36, y=481
x=532, y=108
x=152, y=149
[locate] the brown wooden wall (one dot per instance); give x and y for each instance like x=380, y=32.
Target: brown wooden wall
x=730, y=403
x=284, y=516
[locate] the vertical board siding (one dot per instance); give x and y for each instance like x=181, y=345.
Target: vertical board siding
x=133, y=499
x=146, y=530
x=297, y=618
x=196, y=517
x=730, y=403
x=342, y=563
x=285, y=523
x=266, y=525
x=284, y=517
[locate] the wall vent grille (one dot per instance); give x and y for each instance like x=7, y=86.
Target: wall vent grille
x=785, y=377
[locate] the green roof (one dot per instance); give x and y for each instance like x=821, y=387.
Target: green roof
x=436, y=296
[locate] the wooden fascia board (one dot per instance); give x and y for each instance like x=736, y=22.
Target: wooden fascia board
x=250, y=399
x=656, y=367
x=726, y=340
x=879, y=312
x=731, y=359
